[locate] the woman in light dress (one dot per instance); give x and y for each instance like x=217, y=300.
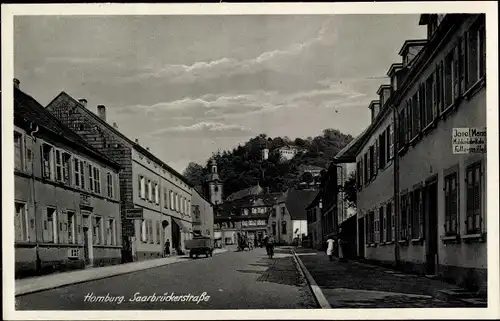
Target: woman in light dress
x=329, y=250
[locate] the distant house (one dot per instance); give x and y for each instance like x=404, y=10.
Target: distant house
x=289, y=218
x=247, y=215
x=288, y=152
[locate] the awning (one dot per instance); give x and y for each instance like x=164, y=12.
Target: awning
x=182, y=225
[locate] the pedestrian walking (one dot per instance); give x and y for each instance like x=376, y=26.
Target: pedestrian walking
x=329, y=250
x=167, y=248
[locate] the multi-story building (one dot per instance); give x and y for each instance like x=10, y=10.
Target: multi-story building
x=428, y=214
x=288, y=221
x=314, y=227
x=67, y=195
x=203, y=215
x=155, y=199
x=248, y=215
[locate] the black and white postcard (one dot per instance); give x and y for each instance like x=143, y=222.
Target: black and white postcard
x=228, y=161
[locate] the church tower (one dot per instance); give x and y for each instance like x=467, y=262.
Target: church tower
x=214, y=185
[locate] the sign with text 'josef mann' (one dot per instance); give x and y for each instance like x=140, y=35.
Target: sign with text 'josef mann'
x=469, y=140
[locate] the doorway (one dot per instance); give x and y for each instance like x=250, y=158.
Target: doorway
x=431, y=216
x=176, y=236
x=86, y=240
x=361, y=238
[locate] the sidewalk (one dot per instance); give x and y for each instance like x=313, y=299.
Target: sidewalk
x=51, y=281
x=358, y=285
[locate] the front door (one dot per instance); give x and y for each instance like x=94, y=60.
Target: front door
x=86, y=245
x=432, y=227
x=176, y=236
x=361, y=237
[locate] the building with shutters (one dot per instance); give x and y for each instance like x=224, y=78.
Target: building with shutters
x=203, y=215
x=155, y=199
x=67, y=195
x=438, y=93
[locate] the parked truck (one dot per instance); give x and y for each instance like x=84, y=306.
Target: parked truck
x=199, y=245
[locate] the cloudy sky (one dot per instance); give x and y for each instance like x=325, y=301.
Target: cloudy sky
x=187, y=86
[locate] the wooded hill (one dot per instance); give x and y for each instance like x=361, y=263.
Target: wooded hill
x=243, y=166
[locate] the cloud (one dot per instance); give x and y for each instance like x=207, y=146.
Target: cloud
x=228, y=67
x=204, y=129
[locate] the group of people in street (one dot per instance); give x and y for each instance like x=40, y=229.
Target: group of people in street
x=330, y=248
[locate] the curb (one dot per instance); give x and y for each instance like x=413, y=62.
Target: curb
x=31, y=291
x=316, y=290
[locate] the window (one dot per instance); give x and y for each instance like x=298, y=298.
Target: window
x=21, y=222
x=274, y=228
x=438, y=96
x=474, y=197
x=111, y=232
x=361, y=173
x=382, y=225
x=283, y=227
x=47, y=159
x=165, y=198
x=92, y=179
x=448, y=80
x=390, y=143
x=157, y=194
x=283, y=211
x=49, y=226
x=109, y=182
x=456, y=72
x=150, y=191
x=97, y=180
x=476, y=53
x=274, y=212
x=371, y=220
x=79, y=173
x=382, y=150
x=389, y=222
x=157, y=232
x=429, y=101
x=59, y=174
x=97, y=230
x=403, y=223
x=142, y=187
x=451, y=204
x=172, y=201
x=71, y=228
x=143, y=231
x=417, y=214
x=18, y=151
x=66, y=164
x=365, y=169
x=462, y=64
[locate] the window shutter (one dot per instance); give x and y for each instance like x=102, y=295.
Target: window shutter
x=392, y=218
x=409, y=216
x=391, y=141
x=376, y=227
x=361, y=171
x=366, y=228
x=369, y=163
x=477, y=198
x=376, y=160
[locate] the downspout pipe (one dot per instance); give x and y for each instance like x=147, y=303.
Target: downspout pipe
x=397, y=210
x=33, y=129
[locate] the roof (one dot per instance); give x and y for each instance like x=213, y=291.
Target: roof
x=348, y=153
x=297, y=201
x=373, y=102
x=411, y=43
x=118, y=133
x=28, y=108
x=314, y=202
x=252, y=190
x=382, y=87
x=393, y=68
x=235, y=207
x=424, y=19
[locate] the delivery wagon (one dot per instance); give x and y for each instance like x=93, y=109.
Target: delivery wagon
x=199, y=245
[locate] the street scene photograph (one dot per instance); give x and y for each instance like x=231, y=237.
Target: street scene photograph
x=255, y=161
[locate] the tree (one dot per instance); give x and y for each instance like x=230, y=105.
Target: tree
x=350, y=191
x=195, y=173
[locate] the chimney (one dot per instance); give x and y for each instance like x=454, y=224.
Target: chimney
x=16, y=83
x=83, y=101
x=101, y=112
x=115, y=125
x=137, y=140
